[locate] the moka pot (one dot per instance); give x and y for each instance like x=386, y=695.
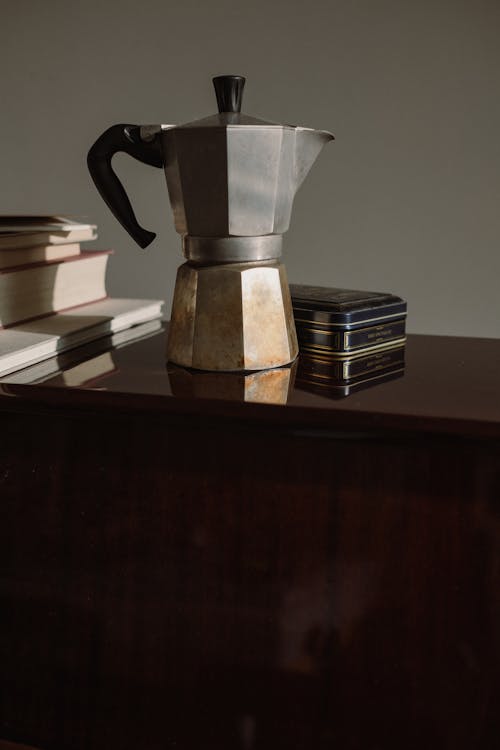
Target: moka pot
x=231, y=180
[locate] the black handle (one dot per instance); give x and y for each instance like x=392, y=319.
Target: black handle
x=229, y=92
x=122, y=138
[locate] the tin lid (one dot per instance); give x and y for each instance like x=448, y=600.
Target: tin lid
x=343, y=307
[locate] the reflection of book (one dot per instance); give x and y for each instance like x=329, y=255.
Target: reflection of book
x=27, y=292
x=86, y=372
x=37, y=254
x=28, y=343
x=27, y=231
x=85, y=364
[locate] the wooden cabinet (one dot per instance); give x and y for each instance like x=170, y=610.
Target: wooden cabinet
x=186, y=572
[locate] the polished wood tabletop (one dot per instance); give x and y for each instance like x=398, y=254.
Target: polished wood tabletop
x=446, y=385
x=195, y=561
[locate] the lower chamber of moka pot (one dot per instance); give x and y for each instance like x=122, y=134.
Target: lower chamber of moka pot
x=232, y=317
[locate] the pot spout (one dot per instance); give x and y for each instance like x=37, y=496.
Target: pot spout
x=308, y=144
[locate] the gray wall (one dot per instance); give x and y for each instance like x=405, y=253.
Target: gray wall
x=406, y=200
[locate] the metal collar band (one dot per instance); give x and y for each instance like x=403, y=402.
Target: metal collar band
x=231, y=249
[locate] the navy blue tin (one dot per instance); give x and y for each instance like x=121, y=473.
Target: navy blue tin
x=343, y=321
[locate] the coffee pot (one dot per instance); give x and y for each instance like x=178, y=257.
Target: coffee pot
x=231, y=180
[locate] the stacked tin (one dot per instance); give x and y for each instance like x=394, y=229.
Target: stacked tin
x=348, y=339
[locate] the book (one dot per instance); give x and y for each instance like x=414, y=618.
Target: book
x=38, y=289
x=12, y=257
x=84, y=365
x=30, y=343
x=340, y=322
x=35, y=222
x=28, y=231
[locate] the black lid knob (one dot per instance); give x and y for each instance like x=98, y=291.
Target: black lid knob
x=229, y=92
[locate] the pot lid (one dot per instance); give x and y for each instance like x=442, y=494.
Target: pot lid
x=229, y=93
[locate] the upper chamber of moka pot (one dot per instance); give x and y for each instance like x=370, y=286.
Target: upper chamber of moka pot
x=232, y=178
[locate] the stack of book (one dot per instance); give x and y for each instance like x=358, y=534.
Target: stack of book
x=86, y=365
x=348, y=339
x=52, y=294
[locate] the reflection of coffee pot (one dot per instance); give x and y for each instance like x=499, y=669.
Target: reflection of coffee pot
x=231, y=180
x=271, y=386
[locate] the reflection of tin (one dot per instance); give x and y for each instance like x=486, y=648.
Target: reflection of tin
x=346, y=368
x=339, y=389
x=337, y=376
x=341, y=321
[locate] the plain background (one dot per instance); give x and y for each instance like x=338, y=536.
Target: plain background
x=407, y=199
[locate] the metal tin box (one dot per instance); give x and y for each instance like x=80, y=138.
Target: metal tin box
x=341, y=322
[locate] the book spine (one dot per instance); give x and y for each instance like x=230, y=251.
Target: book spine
x=44, y=263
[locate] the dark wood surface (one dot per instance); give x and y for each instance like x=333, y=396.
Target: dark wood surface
x=450, y=385
x=190, y=572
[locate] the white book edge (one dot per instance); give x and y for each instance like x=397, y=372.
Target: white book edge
x=56, y=344
x=49, y=228
x=49, y=368
x=41, y=223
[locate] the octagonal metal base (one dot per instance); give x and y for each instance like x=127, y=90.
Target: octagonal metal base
x=232, y=317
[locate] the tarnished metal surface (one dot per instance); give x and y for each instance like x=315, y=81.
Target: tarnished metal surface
x=288, y=311
x=265, y=328
x=218, y=334
x=181, y=330
x=232, y=317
